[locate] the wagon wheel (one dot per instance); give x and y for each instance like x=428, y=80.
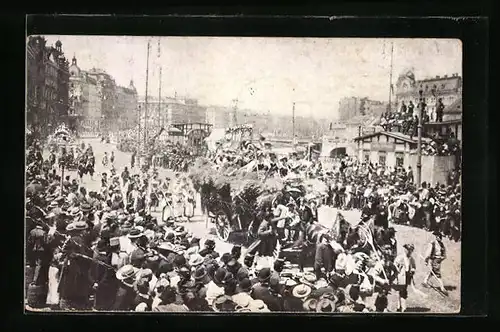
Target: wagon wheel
x=222, y=226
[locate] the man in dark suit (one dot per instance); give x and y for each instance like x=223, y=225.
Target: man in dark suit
x=102, y=273
x=261, y=291
x=324, y=257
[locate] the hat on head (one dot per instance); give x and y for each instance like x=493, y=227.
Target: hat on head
x=321, y=283
x=264, y=274
x=195, y=260
x=308, y=278
x=310, y=304
x=80, y=225
x=146, y=273
x=192, y=251
x=232, y=262
x=85, y=207
x=70, y=227
x=134, y=234
x=242, y=274
x=137, y=255
x=258, y=306
x=325, y=305
x=125, y=272
x=114, y=241
x=102, y=245
x=170, y=237
x=126, y=225
x=409, y=247
x=163, y=282
x=245, y=284
x=223, y=303
x=219, y=275
x=436, y=233
x=210, y=243
x=301, y=291
x=290, y=283
x=200, y=273
x=242, y=301
x=74, y=211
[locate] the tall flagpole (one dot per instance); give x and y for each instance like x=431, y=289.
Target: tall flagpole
x=160, y=118
x=390, y=78
x=146, y=105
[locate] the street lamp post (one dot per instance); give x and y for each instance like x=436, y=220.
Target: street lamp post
x=419, y=139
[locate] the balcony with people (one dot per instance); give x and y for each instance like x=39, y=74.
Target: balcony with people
x=444, y=134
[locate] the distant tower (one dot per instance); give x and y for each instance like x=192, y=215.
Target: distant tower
x=59, y=46
x=73, y=61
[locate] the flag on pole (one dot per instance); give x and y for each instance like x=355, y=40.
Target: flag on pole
x=159, y=49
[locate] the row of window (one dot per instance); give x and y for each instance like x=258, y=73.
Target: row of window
x=382, y=158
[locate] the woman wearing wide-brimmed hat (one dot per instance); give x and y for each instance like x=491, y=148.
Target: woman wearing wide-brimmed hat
x=75, y=286
x=125, y=296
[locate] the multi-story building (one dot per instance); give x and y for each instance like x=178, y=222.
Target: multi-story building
x=85, y=103
x=47, y=85
x=126, y=106
x=446, y=88
x=171, y=111
x=218, y=116
x=106, y=92
x=350, y=107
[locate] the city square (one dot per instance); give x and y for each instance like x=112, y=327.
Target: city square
x=163, y=199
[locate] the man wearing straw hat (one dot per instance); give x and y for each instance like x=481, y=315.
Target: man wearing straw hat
x=75, y=286
x=125, y=296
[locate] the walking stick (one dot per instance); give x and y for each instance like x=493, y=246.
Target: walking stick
x=416, y=290
x=435, y=276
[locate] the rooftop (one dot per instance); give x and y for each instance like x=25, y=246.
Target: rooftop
x=396, y=135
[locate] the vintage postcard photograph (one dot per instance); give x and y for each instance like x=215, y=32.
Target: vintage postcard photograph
x=243, y=174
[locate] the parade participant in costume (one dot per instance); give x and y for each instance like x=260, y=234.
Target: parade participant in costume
x=105, y=160
x=405, y=263
x=435, y=255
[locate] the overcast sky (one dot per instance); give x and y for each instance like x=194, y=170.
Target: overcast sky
x=262, y=73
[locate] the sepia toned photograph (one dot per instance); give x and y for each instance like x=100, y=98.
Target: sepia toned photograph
x=243, y=175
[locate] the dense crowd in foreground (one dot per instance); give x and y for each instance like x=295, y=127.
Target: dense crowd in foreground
x=104, y=251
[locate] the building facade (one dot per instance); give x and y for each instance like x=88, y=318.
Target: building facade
x=171, y=111
x=218, y=116
x=126, y=106
x=387, y=148
x=47, y=85
x=107, y=95
x=351, y=107
x=85, y=102
x=447, y=88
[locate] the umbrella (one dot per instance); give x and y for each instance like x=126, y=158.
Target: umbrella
x=293, y=190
